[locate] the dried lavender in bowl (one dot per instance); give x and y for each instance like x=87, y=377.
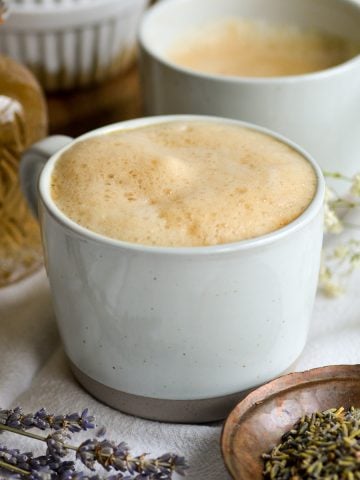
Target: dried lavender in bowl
x=324, y=445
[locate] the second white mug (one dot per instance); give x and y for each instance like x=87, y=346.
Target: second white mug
x=319, y=111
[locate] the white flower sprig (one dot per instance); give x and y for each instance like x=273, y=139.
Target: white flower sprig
x=339, y=262
x=336, y=204
x=337, y=265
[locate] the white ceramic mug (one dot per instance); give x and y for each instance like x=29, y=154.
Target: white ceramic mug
x=176, y=333
x=320, y=111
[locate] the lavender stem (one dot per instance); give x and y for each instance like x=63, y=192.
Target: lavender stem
x=22, y=432
x=26, y=433
x=13, y=468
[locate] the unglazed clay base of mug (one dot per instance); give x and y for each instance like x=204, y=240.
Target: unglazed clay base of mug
x=179, y=411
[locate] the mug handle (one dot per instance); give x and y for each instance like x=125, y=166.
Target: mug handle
x=33, y=161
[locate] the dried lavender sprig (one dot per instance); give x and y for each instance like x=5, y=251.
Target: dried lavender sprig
x=43, y=467
x=117, y=456
x=42, y=420
x=110, y=456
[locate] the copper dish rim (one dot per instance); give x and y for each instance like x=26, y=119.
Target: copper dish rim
x=290, y=381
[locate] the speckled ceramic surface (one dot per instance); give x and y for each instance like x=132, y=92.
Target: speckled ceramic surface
x=189, y=323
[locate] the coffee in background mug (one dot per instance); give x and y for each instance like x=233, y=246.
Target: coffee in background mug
x=313, y=101
x=206, y=290
x=243, y=48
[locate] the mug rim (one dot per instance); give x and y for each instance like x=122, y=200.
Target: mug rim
x=238, y=79
x=312, y=209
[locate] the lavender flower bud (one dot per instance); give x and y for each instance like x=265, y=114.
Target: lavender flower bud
x=86, y=452
x=41, y=419
x=14, y=418
x=56, y=445
x=44, y=473
x=14, y=457
x=177, y=463
x=119, y=476
x=101, y=432
x=9, y=475
x=3, y=417
x=87, y=421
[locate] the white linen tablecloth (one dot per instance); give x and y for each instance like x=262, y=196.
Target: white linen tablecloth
x=34, y=372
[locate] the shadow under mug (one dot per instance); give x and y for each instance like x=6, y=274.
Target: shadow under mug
x=319, y=111
x=175, y=334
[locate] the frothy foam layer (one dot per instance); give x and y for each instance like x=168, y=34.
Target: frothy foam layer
x=183, y=184
x=238, y=47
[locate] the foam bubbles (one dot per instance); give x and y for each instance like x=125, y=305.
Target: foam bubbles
x=183, y=184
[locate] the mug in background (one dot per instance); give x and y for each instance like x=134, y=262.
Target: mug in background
x=319, y=111
x=172, y=333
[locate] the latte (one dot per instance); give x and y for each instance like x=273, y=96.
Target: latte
x=239, y=47
x=192, y=183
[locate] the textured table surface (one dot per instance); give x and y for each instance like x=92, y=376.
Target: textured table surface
x=34, y=372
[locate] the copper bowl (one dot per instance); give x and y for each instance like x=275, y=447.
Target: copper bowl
x=257, y=423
